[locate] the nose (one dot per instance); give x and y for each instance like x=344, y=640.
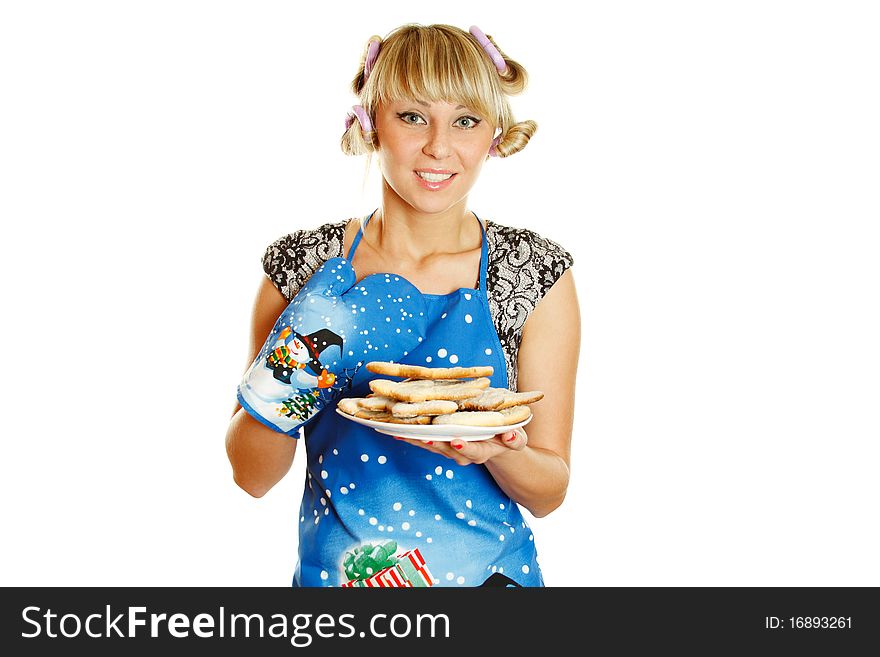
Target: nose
x=437, y=142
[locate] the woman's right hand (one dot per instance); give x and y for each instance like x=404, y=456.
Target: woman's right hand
x=332, y=326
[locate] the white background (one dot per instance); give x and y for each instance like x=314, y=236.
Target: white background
x=712, y=167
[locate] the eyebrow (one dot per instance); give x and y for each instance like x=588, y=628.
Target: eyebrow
x=421, y=102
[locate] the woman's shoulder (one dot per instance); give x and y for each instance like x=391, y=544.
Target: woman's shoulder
x=524, y=255
x=290, y=260
x=305, y=238
x=523, y=265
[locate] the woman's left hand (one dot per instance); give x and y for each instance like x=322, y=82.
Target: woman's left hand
x=465, y=452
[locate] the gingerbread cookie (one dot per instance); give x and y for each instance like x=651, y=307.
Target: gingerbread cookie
x=377, y=403
x=424, y=390
x=512, y=415
x=472, y=418
x=495, y=399
x=351, y=406
x=418, y=372
x=515, y=414
x=432, y=407
x=418, y=419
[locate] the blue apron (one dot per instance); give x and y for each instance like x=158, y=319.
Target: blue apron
x=380, y=512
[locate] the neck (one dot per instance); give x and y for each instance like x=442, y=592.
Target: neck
x=407, y=236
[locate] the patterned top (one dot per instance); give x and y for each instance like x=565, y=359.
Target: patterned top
x=523, y=266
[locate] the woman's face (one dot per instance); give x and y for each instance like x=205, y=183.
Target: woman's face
x=422, y=137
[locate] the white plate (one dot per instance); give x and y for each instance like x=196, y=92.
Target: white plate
x=444, y=432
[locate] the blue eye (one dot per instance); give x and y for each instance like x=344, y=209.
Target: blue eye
x=474, y=122
x=403, y=116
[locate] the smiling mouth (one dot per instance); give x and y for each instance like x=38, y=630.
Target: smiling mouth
x=434, y=177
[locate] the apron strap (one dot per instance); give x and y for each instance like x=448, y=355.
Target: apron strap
x=484, y=256
x=358, y=235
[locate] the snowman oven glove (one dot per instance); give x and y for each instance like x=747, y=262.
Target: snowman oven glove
x=330, y=329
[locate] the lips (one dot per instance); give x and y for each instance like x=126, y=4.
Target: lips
x=434, y=177
x=432, y=185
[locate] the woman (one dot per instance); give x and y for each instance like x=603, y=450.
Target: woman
x=434, y=108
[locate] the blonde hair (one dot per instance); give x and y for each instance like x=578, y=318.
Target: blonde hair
x=438, y=63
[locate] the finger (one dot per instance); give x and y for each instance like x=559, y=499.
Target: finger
x=423, y=444
x=444, y=447
x=473, y=451
x=437, y=447
x=516, y=439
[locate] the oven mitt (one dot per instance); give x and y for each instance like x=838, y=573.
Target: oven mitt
x=330, y=329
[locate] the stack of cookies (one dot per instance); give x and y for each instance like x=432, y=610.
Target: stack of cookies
x=439, y=395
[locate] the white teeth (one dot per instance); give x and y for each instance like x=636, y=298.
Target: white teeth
x=434, y=177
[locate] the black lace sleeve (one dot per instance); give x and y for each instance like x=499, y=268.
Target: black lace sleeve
x=291, y=260
x=523, y=266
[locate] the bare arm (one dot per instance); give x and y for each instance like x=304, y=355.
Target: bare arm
x=537, y=476
x=532, y=465
x=260, y=457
